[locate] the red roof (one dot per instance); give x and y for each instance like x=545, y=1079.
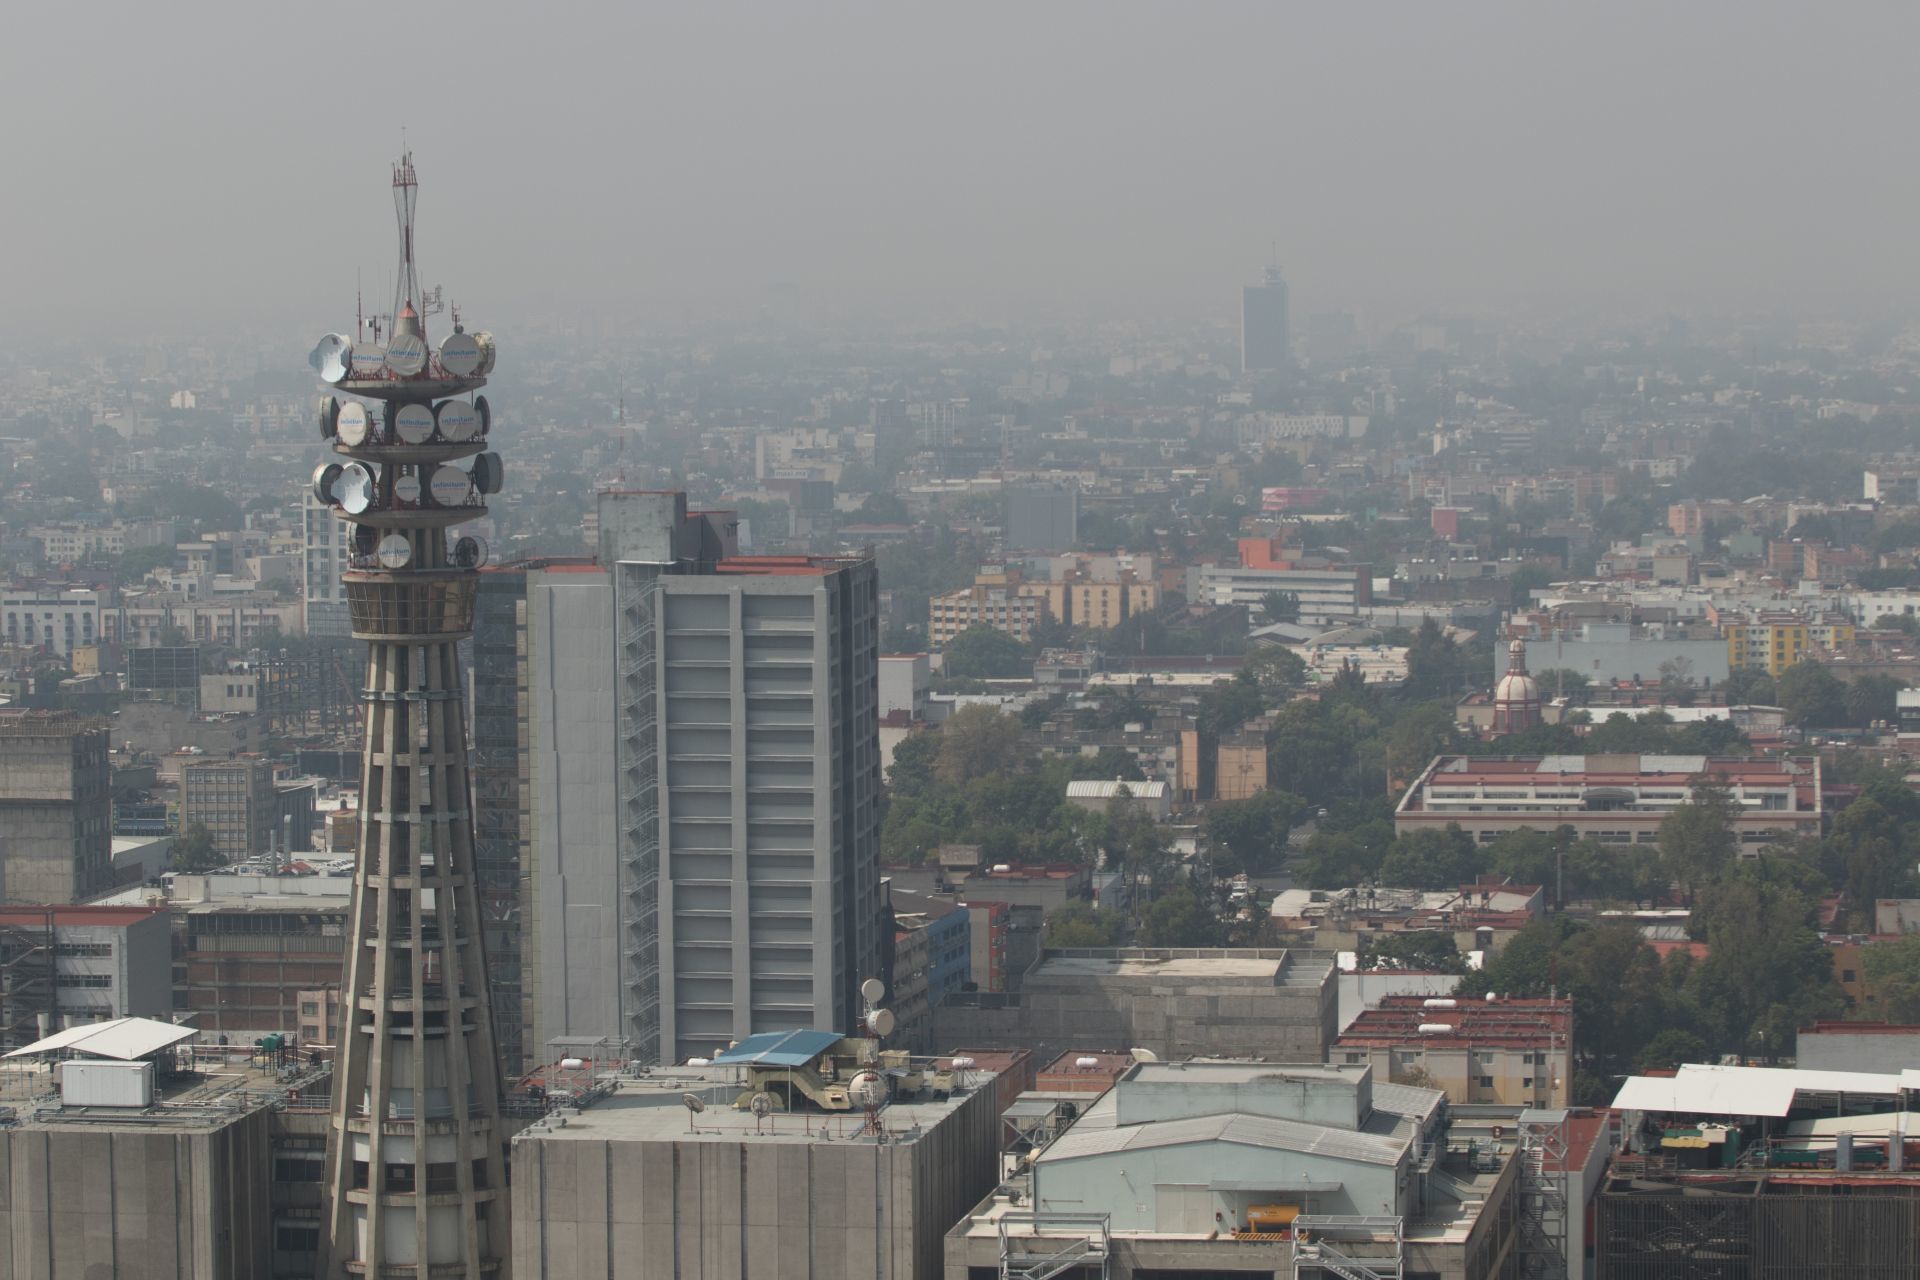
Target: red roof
x=77, y=916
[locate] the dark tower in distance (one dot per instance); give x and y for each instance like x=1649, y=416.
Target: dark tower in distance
x=415, y=1183
x=1264, y=338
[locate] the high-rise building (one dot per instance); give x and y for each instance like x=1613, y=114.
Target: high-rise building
x=415, y=1177
x=323, y=591
x=234, y=800
x=701, y=800
x=56, y=808
x=1263, y=324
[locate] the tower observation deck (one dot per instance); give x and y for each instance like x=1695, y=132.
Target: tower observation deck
x=415, y=1178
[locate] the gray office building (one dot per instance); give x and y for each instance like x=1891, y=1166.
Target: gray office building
x=1264, y=339
x=56, y=808
x=1042, y=517
x=703, y=788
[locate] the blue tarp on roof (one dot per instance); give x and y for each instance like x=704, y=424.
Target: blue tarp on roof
x=781, y=1048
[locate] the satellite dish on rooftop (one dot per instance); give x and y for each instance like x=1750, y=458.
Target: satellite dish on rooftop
x=487, y=476
x=1143, y=1055
x=355, y=488
x=867, y=1090
x=329, y=416
x=407, y=354
x=873, y=990
x=332, y=358
x=460, y=355
x=882, y=1021
x=693, y=1102
x=352, y=424
x=761, y=1104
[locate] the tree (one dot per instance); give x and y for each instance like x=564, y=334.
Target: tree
x=1421, y=951
x=1281, y=606
x=1434, y=666
x=1893, y=978
x=1077, y=924
x=1669, y=1049
x=1697, y=839
x=1750, y=686
x=976, y=741
x=1252, y=832
x=1676, y=676
x=1275, y=669
x=1812, y=696
x=981, y=653
x=193, y=850
x=1767, y=971
x=1524, y=581
x=884, y=508
x=1872, y=698
x=1178, y=918
x=1229, y=704
x=1432, y=860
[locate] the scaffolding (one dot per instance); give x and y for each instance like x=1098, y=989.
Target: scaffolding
x=1052, y=1244
x=29, y=998
x=1352, y=1247
x=1543, y=1193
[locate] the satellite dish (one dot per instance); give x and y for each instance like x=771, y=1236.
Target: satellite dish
x=395, y=551
x=413, y=423
x=481, y=407
x=332, y=358
x=407, y=354
x=873, y=990
x=365, y=538
x=329, y=416
x=761, y=1104
x=867, y=1090
x=486, y=473
x=1143, y=1055
x=369, y=358
x=460, y=355
x=484, y=341
x=353, y=424
x=406, y=488
x=468, y=553
x=324, y=477
x=458, y=420
x=449, y=486
x=882, y=1022
x=693, y=1103
x=355, y=488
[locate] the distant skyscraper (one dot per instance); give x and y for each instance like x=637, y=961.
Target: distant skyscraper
x=701, y=803
x=415, y=1181
x=1042, y=517
x=1263, y=324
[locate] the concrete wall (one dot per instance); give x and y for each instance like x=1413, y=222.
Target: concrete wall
x=1173, y=1189
x=56, y=809
x=1872, y=1051
x=136, y=1203
x=572, y=977
x=708, y=1209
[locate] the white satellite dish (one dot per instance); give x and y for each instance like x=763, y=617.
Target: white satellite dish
x=353, y=424
x=324, y=477
x=413, y=423
x=449, y=486
x=468, y=553
x=332, y=358
x=485, y=410
x=460, y=355
x=873, y=990
x=867, y=1090
x=484, y=341
x=458, y=420
x=1143, y=1055
x=407, y=354
x=486, y=473
x=329, y=416
x=881, y=1020
x=394, y=552
x=693, y=1102
x=406, y=488
x=355, y=488
x=369, y=358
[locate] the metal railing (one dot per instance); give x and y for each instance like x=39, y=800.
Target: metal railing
x=1053, y=1243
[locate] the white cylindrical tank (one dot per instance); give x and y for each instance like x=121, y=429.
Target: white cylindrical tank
x=1441, y=1002
x=572, y=1064
x=1436, y=1028
x=1086, y=1064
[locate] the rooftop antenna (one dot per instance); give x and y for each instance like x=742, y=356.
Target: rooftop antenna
x=406, y=194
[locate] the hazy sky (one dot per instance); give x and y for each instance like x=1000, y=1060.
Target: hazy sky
x=173, y=166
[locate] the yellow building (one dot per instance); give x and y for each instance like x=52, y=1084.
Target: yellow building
x=1102, y=605
x=1776, y=641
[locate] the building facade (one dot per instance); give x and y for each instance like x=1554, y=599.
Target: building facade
x=323, y=597
x=1265, y=341
x=56, y=808
x=1510, y=1052
x=234, y=800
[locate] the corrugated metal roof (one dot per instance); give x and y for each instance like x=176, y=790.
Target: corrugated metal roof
x=1243, y=1130
x=1095, y=789
x=123, y=1038
x=1708, y=1090
x=780, y=1048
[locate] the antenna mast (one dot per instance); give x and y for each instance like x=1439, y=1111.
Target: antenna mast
x=406, y=193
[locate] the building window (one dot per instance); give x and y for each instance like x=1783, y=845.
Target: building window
x=1486, y=1082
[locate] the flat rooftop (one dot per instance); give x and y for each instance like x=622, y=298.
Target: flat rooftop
x=651, y=1108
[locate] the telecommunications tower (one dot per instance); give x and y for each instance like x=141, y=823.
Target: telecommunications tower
x=415, y=1182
